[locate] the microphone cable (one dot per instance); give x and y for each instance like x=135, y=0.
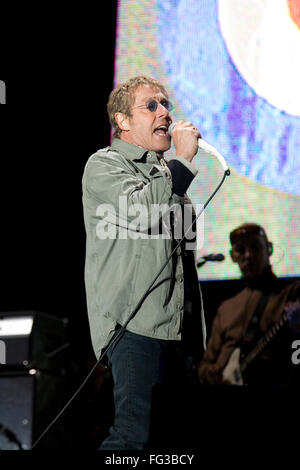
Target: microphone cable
x=120, y=332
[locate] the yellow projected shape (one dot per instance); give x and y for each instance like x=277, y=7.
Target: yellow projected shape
x=263, y=40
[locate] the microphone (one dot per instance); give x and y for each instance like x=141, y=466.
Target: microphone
x=214, y=257
x=207, y=148
x=210, y=257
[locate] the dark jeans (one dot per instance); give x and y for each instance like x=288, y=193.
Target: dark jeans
x=138, y=363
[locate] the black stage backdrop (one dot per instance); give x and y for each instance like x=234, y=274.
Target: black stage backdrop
x=57, y=63
x=58, y=69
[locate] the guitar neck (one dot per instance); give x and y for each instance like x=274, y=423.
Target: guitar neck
x=263, y=342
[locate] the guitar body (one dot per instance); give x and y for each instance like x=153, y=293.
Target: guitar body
x=232, y=372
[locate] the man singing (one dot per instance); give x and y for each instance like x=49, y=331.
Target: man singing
x=122, y=258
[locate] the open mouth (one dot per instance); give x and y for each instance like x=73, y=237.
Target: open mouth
x=161, y=131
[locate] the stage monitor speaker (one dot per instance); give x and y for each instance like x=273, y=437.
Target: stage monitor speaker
x=31, y=339
x=29, y=401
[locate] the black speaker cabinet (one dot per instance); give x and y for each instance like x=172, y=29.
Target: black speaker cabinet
x=32, y=339
x=28, y=403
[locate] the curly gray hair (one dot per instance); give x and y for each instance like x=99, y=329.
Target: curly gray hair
x=122, y=97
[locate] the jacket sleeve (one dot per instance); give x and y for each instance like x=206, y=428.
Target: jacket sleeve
x=124, y=194
x=183, y=173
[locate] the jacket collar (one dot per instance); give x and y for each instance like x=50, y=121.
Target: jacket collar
x=131, y=151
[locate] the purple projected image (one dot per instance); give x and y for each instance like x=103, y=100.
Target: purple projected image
x=233, y=69
x=232, y=99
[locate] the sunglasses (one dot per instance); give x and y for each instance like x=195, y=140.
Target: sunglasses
x=153, y=104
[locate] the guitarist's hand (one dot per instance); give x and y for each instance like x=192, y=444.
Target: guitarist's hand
x=214, y=375
x=292, y=310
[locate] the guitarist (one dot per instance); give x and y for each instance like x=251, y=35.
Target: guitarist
x=243, y=319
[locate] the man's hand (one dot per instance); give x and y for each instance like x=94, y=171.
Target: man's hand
x=185, y=139
x=292, y=310
x=213, y=375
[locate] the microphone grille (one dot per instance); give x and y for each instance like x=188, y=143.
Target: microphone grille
x=171, y=127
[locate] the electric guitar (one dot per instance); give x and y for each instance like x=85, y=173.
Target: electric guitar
x=236, y=366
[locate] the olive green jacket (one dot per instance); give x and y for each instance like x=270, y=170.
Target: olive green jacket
x=121, y=258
